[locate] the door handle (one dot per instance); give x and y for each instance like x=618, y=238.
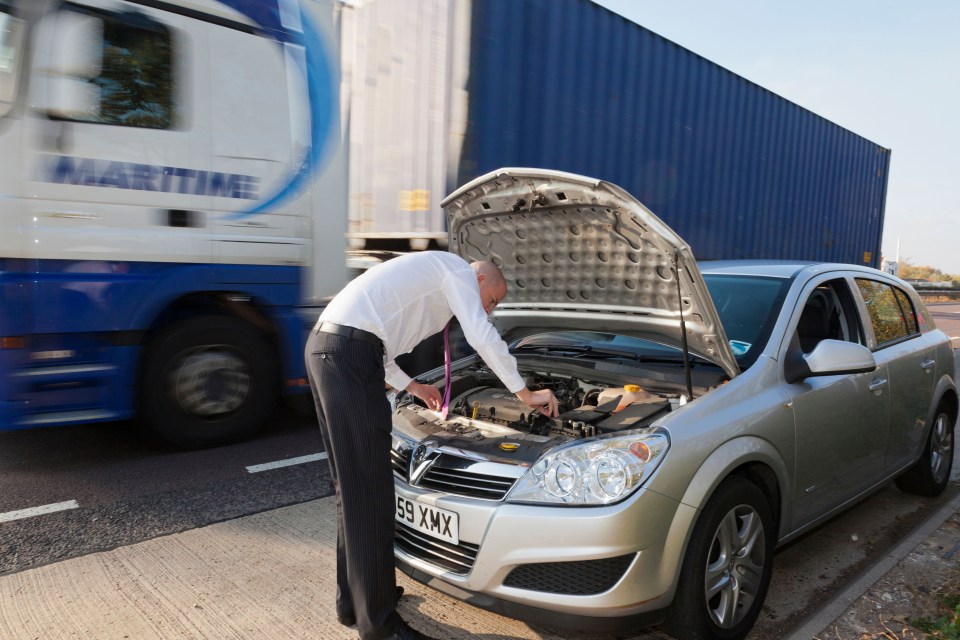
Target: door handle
x=877, y=386
x=928, y=364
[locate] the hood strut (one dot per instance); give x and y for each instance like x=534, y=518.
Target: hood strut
x=683, y=329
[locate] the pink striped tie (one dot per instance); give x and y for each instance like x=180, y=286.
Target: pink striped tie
x=446, y=370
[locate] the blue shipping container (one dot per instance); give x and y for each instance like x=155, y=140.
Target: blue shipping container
x=737, y=170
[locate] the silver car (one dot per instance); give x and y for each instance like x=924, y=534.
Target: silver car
x=708, y=413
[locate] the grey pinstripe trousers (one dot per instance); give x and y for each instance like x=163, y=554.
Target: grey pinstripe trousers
x=347, y=380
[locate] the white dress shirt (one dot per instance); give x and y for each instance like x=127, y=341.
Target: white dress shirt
x=406, y=299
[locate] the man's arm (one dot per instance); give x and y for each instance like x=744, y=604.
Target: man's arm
x=398, y=379
x=464, y=301
x=395, y=376
x=543, y=400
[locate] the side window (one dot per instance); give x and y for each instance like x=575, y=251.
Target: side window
x=828, y=314
x=135, y=82
x=909, y=314
x=891, y=313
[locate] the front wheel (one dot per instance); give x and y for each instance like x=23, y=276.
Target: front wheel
x=929, y=476
x=208, y=381
x=727, y=567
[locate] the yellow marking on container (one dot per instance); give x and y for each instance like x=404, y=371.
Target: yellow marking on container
x=414, y=200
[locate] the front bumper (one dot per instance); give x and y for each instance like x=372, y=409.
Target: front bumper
x=629, y=544
x=625, y=623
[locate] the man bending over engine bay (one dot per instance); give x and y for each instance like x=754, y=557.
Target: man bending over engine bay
x=350, y=354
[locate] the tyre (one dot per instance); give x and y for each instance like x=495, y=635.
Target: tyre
x=727, y=567
x=929, y=476
x=208, y=381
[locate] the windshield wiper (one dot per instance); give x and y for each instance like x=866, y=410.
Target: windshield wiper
x=575, y=349
x=603, y=353
x=585, y=351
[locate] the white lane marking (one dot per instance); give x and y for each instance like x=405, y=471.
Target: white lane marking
x=289, y=462
x=38, y=511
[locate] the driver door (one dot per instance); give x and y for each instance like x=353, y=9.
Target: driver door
x=841, y=421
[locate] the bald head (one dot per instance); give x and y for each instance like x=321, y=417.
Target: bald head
x=493, y=286
x=490, y=272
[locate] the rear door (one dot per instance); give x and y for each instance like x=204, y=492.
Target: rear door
x=908, y=354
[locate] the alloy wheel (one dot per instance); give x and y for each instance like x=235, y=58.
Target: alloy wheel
x=941, y=444
x=735, y=566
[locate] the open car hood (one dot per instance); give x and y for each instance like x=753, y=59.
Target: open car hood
x=584, y=254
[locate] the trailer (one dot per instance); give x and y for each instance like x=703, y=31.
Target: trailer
x=438, y=92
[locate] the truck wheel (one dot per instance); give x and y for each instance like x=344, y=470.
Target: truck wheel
x=727, y=567
x=208, y=381
x=929, y=476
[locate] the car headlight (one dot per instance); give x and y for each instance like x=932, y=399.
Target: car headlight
x=598, y=471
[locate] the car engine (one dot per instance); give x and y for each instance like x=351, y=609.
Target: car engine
x=482, y=413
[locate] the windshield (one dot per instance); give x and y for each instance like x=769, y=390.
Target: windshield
x=748, y=307
x=11, y=38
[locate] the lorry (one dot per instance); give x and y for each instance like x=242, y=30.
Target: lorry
x=174, y=177
x=439, y=92
x=172, y=189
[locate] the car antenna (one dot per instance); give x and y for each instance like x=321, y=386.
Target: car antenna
x=683, y=329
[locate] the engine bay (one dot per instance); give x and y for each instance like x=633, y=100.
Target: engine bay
x=484, y=416
x=585, y=409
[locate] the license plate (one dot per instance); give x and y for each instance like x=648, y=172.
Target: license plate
x=433, y=521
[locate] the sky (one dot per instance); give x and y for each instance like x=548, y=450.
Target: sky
x=886, y=70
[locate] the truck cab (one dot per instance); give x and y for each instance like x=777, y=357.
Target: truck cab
x=173, y=193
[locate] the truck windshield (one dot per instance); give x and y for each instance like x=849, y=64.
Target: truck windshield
x=11, y=38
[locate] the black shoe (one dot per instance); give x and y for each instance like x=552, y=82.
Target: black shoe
x=349, y=619
x=406, y=632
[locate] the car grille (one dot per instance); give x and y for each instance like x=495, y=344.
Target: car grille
x=466, y=483
x=456, y=558
x=579, y=578
x=401, y=462
x=448, y=474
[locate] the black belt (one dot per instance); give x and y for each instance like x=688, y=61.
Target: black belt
x=351, y=332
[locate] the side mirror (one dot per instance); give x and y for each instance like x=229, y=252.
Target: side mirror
x=72, y=99
x=74, y=57
x=78, y=48
x=828, y=358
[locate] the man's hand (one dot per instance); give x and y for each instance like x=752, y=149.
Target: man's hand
x=543, y=401
x=426, y=392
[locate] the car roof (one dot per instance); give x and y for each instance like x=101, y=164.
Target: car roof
x=770, y=268
x=782, y=268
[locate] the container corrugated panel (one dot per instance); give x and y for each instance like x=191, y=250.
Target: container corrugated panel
x=738, y=171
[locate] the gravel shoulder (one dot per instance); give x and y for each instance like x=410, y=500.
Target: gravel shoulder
x=914, y=589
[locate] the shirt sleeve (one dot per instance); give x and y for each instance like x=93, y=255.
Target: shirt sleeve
x=395, y=376
x=463, y=297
